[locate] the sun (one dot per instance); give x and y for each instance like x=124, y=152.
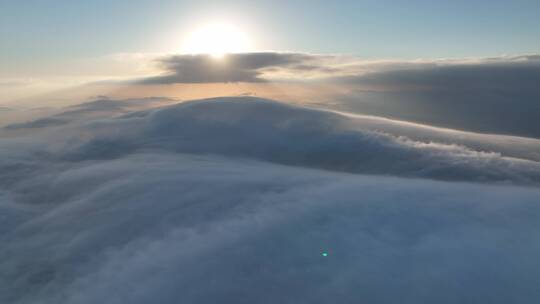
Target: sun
x=217, y=40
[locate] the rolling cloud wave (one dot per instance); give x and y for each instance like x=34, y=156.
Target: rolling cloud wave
x=236, y=199
x=269, y=131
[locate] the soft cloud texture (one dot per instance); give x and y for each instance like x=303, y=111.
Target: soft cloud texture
x=101, y=107
x=414, y=74
x=200, y=229
x=233, y=200
x=496, y=95
x=242, y=67
x=265, y=130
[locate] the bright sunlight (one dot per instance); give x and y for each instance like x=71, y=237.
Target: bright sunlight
x=217, y=39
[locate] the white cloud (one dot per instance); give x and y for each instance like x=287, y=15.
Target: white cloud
x=171, y=227
x=224, y=200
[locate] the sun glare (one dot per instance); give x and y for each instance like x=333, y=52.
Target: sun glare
x=217, y=40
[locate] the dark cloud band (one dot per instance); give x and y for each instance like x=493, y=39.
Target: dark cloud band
x=246, y=67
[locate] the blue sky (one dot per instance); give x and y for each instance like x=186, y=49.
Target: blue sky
x=366, y=28
x=41, y=38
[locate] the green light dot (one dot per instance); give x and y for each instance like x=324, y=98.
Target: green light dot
x=324, y=254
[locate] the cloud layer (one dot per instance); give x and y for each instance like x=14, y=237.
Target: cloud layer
x=234, y=200
x=496, y=95
x=242, y=67
x=269, y=131
x=200, y=229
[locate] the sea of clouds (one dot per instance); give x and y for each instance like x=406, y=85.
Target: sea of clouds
x=235, y=200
